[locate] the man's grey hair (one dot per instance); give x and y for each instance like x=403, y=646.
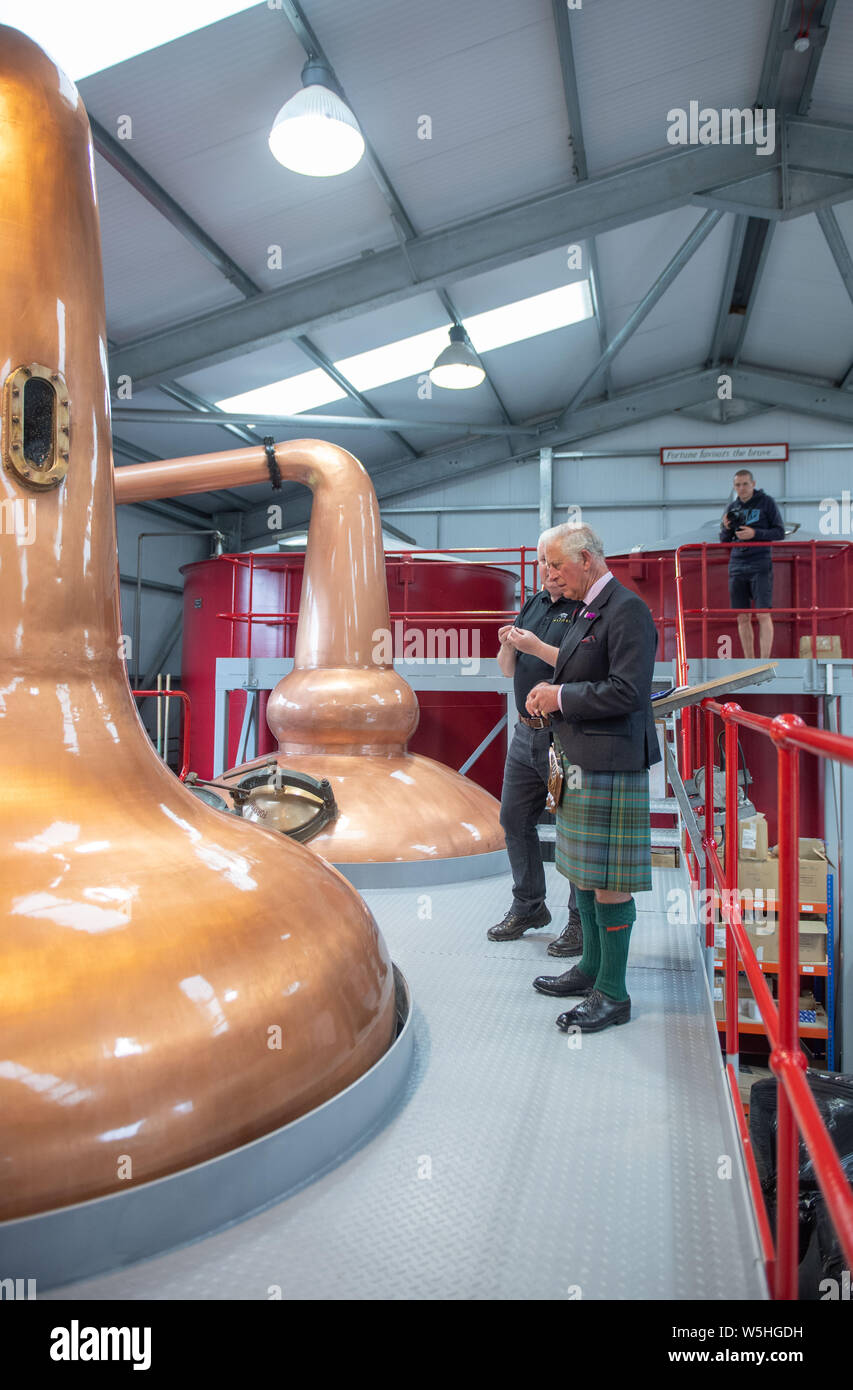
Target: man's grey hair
x=547, y=537
x=573, y=539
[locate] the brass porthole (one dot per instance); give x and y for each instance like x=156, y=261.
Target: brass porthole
x=36, y=426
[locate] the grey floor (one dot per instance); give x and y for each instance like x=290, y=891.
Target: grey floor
x=515, y=1166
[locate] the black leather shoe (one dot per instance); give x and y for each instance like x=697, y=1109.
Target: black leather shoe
x=515, y=925
x=570, y=940
x=573, y=982
x=594, y=1013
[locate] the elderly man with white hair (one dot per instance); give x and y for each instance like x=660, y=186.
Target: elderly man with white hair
x=599, y=701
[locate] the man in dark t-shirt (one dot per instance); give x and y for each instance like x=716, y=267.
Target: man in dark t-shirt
x=528, y=650
x=752, y=516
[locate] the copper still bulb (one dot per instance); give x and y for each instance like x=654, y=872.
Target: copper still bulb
x=343, y=712
x=173, y=982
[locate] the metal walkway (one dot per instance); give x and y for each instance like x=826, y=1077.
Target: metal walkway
x=516, y=1166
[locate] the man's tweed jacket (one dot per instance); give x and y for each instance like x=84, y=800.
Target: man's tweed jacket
x=605, y=665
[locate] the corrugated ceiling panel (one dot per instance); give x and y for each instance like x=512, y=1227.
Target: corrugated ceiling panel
x=803, y=319
x=634, y=62
x=532, y=276
x=245, y=373
x=499, y=125
x=631, y=259
x=151, y=274
x=386, y=325
x=678, y=331
x=486, y=72
x=832, y=98
x=540, y=375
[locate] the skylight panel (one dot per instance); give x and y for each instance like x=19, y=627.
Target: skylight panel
x=288, y=397
x=86, y=36
x=395, y=361
x=408, y=357
x=527, y=318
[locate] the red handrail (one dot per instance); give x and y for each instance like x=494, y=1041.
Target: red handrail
x=520, y=557
x=797, y=1111
x=180, y=695
x=793, y=550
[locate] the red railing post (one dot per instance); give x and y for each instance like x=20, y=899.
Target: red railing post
x=682, y=671
x=708, y=837
x=251, y=587
x=233, y=603
x=788, y=1054
x=813, y=624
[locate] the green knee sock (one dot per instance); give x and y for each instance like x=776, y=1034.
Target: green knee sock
x=614, y=928
x=590, y=961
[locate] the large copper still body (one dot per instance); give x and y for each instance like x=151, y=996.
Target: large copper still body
x=173, y=982
x=343, y=713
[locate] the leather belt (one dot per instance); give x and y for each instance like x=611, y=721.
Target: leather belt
x=539, y=721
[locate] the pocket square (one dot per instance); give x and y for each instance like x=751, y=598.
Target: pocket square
x=590, y=638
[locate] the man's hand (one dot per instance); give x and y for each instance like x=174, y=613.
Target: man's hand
x=745, y=533
x=525, y=641
x=503, y=632
x=543, y=699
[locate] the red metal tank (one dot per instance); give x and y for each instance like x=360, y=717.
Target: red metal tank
x=452, y=723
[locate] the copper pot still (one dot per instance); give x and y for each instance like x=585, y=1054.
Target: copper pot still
x=343, y=713
x=173, y=982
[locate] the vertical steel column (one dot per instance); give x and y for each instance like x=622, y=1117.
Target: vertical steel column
x=705, y=652
x=546, y=489
x=787, y=1139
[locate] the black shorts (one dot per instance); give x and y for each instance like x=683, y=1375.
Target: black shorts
x=751, y=589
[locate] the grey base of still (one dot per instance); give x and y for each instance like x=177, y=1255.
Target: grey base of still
x=514, y=1166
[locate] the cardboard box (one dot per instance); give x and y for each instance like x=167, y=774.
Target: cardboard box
x=814, y=867
x=812, y=941
x=760, y=877
x=752, y=837
x=828, y=648
x=764, y=937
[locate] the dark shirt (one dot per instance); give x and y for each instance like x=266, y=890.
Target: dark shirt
x=550, y=621
x=764, y=516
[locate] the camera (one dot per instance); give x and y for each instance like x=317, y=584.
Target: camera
x=736, y=515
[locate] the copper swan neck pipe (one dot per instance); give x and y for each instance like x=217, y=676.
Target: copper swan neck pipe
x=345, y=599
x=344, y=606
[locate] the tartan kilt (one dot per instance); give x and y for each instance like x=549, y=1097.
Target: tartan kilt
x=604, y=831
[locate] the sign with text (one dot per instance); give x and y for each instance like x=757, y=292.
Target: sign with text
x=740, y=455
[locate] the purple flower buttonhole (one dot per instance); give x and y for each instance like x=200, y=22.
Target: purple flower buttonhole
x=589, y=614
